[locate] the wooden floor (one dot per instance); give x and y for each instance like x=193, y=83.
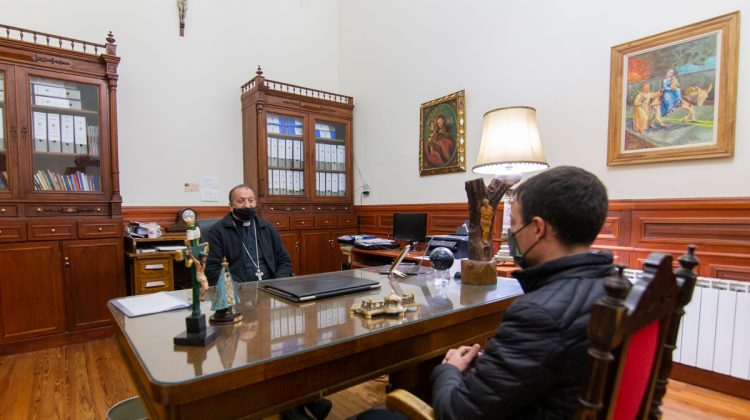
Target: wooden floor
x=82, y=381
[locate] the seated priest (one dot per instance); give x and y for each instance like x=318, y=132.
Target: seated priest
x=251, y=245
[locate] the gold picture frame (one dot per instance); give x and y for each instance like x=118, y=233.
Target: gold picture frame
x=673, y=95
x=442, y=135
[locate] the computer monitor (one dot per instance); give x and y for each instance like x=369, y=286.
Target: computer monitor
x=410, y=227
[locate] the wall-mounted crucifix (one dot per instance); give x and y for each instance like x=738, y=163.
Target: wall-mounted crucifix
x=182, y=9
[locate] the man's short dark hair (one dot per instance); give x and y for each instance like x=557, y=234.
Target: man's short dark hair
x=237, y=187
x=571, y=199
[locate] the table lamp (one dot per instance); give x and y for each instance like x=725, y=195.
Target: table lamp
x=510, y=147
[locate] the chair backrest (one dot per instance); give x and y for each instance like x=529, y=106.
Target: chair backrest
x=205, y=226
x=632, y=331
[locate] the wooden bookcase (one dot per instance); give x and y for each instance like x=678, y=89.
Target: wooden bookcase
x=61, y=248
x=297, y=157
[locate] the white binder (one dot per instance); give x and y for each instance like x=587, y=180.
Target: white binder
x=53, y=132
x=282, y=153
x=282, y=182
x=290, y=183
x=79, y=128
x=290, y=153
x=342, y=184
x=274, y=152
x=40, y=131
x=66, y=129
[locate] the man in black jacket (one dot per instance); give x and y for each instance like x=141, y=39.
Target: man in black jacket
x=251, y=245
x=533, y=367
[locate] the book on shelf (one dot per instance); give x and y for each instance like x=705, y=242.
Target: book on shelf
x=48, y=180
x=92, y=132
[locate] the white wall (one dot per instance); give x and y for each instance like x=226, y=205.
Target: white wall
x=553, y=55
x=179, y=98
x=179, y=108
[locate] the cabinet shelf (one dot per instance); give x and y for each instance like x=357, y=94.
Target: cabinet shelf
x=57, y=110
x=329, y=141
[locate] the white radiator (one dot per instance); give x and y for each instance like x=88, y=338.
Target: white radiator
x=714, y=332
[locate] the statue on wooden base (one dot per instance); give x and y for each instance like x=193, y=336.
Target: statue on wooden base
x=196, y=333
x=481, y=267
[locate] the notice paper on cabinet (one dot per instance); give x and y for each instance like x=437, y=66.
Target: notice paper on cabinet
x=152, y=303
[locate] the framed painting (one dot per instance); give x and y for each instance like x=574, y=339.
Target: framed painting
x=442, y=135
x=673, y=95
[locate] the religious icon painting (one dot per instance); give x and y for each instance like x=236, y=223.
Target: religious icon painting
x=442, y=135
x=673, y=95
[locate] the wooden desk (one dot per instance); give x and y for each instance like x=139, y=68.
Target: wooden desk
x=283, y=354
x=361, y=258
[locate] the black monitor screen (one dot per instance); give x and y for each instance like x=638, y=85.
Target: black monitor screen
x=410, y=227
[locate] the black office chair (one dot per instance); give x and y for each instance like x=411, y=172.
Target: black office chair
x=205, y=225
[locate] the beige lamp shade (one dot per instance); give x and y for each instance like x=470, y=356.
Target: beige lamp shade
x=510, y=143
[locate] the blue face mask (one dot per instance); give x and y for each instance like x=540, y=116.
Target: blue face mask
x=519, y=258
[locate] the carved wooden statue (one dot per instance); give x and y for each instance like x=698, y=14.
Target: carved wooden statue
x=481, y=267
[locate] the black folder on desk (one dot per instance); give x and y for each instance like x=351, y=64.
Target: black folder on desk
x=317, y=287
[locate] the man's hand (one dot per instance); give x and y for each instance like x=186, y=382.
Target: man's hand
x=462, y=357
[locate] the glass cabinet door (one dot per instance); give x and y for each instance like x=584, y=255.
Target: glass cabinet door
x=66, y=135
x=285, y=155
x=4, y=184
x=330, y=159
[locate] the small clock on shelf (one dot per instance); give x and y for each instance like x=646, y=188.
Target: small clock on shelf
x=181, y=221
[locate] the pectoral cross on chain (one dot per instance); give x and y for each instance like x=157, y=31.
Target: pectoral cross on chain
x=259, y=274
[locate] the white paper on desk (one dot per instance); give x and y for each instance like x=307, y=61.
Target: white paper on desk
x=152, y=303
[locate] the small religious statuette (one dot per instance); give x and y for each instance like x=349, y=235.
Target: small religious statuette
x=225, y=297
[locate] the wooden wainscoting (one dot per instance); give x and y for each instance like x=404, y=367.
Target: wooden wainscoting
x=720, y=227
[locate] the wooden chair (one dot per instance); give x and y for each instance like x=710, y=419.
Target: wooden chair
x=633, y=331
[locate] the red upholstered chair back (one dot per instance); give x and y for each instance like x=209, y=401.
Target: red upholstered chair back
x=632, y=331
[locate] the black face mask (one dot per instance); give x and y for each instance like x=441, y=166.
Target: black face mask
x=519, y=258
x=244, y=214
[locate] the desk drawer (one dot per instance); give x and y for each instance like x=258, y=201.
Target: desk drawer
x=153, y=284
x=325, y=221
x=304, y=222
x=12, y=231
x=279, y=222
x=9, y=211
x=51, y=230
x=153, y=267
x=102, y=229
x=349, y=220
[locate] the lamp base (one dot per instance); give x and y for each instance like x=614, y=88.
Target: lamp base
x=479, y=272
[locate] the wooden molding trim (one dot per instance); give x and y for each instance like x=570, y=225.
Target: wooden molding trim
x=712, y=380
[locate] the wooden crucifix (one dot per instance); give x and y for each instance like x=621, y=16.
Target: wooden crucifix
x=481, y=267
